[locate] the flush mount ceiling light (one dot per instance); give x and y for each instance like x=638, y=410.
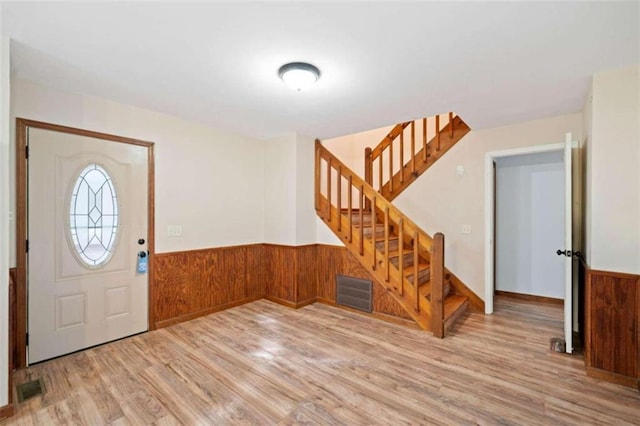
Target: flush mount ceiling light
x=299, y=75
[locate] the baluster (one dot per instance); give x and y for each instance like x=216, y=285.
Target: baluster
x=416, y=287
x=424, y=139
x=361, y=221
x=380, y=157
x=350, y=209
x=391, y=167
x=373, y=229
x=450, y=125
x=438, y=132
x=402, y=156
x=413, y=147
x=368, y=169
x=329, y=189
x=386, y=242
x=401, y=258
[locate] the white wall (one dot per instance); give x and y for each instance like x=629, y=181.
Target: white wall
x=280, y=190
x=305, y=178
x=4, y=218
x=208, y=181
x=289, y=216
x=530, y=224
x=613, y=174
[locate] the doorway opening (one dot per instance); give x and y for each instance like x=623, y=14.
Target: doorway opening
x=565, y=250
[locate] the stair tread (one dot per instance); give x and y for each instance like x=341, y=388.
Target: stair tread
x=381, y=238
x=409, y=270
x=396, y=253
x=452, y=303
x=425, y=289
x=368, y=225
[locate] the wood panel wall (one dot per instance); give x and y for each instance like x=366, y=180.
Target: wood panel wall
x=333, y=260
x=612, y=335
x=189, y=284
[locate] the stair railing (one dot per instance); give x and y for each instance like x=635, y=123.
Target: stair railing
x=381, y=158
x=340, y=194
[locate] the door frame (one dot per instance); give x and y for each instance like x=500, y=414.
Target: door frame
x=19, y=345
x=489, y=213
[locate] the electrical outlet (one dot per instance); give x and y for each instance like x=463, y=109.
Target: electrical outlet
x=465, y=229
x=174, y=230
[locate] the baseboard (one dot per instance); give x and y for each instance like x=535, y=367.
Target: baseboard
x=531, y=297
x=288, y=303
x=618, y=379
x=194, y=315
x=6, y=411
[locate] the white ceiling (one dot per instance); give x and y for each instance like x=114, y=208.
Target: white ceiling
x=381, y=62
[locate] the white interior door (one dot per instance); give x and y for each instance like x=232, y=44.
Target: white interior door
x=87, y=211
x=568, y=242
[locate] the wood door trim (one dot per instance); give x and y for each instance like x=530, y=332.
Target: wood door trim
x=18, y=345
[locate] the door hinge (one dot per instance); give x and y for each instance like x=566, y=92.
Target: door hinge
x=26, y=151
x=26, y=244
x=26, y=339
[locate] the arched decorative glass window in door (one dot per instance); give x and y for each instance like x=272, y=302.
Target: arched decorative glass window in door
x=93, y=216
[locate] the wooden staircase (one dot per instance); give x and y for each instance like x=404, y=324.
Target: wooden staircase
x=385, y=159
x=403, y=258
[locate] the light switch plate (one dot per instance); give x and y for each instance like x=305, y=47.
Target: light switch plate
x=174, y=230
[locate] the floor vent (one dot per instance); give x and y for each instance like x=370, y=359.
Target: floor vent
x=354, y=293
x=30, y=389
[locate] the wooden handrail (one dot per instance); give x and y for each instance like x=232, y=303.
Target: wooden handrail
x=437, y=285
x=379, y=203
x=384, y=143
x=449, y=129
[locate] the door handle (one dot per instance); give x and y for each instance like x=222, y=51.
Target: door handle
x=564, y=253
x=142, y=254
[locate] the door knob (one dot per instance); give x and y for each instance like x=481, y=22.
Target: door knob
x=141, y=241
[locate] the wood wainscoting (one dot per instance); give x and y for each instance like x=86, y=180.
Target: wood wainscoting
x=189, y=284
x=612, y=335
x=290, y=274
x=193, y=283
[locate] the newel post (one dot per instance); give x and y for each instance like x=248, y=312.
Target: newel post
x=437, y=285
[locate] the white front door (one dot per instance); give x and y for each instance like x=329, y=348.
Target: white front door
x=87, y=219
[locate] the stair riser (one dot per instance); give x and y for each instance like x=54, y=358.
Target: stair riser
x=355, y=219
x=368, y=231
x=446, y=290
x=451, y=321
x=393, y=246
x=406, y=261
x=423, y=277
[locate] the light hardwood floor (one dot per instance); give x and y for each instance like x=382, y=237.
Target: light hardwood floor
x=262, y=363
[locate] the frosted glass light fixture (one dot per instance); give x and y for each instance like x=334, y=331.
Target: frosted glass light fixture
x=299, y=75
